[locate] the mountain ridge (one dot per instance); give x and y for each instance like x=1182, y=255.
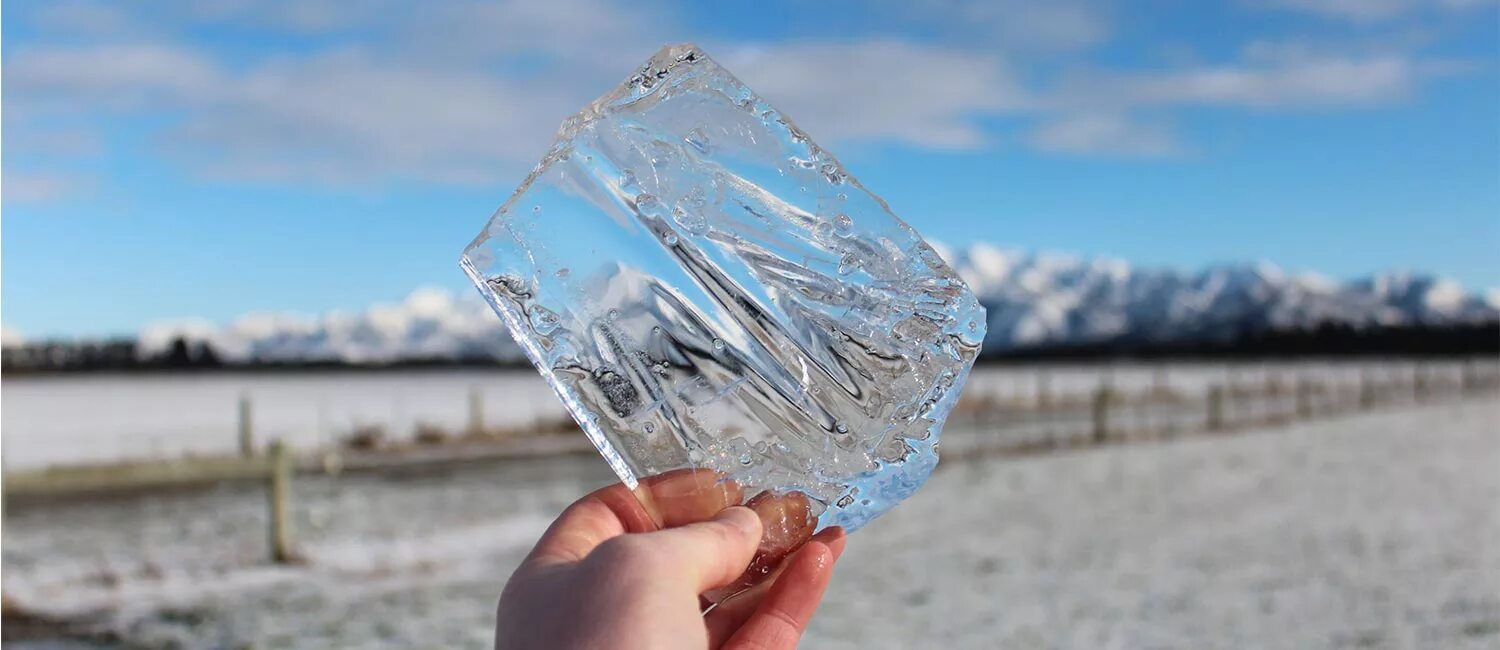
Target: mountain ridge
x=1034, y=300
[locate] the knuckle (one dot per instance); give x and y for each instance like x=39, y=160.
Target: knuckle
x=624, y=551
x=724, y=535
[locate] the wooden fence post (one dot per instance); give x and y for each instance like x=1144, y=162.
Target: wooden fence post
x=1466, y=379
x=282, y=551
x=1419, y=382
x=1216, y=408
x=1101, y=414
x=1304, y=398
x=1366, y=391
x=476, y=411
x=1043, y=390
x=247, y=427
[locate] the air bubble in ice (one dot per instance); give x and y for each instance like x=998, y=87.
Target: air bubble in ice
x=698, y=139
x=690, y=221
x=847, y=263
x=543, y=320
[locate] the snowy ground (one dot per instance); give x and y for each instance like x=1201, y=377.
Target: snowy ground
x=71, y=419
x=1381, y=530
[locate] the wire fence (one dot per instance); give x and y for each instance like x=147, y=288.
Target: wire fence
x=1041, y=419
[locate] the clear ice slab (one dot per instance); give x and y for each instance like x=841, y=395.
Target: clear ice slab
x=710, y=292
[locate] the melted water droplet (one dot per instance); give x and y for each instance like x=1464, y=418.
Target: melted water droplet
x=656, y=330
x=746, y=458
x=719, y=345
x=670, y=238
x=841, y=427
x=644, y=200
x=627, y=177
x=823, y=230
x=614, y=314
x=843, y=224
x=649, y=428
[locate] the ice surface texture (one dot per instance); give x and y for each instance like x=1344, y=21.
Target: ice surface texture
x=705, y=287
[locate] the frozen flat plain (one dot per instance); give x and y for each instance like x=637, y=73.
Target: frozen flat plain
x=100, y=418
x=1376, y=531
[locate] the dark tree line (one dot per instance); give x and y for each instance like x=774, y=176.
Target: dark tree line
x=112, y=355
x=1329, y=340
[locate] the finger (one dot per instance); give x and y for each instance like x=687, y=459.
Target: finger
x=670, y=499
x=788, y=522
x=834, y=538
x=686, y=496
x=729, y=615
x=599, y=516
x=783, y=613
x=743, y=595
x=713, y=552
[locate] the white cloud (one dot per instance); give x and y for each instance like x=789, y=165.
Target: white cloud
x=350, y=117
x=1015, y=25
x=110, y=75
x=470, y=92
x=881, y=90
x=40, y=187
x=1325, y=81
x=1369, y=11
x=1106, y=134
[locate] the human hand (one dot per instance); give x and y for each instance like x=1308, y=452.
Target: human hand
x=623, y=570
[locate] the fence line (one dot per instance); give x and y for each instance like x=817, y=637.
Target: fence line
x=1108, y=415
x=1046, y=419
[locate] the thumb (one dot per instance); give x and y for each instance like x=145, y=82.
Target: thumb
x=714, y=552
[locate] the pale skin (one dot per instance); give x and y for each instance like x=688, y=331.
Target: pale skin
x=598, y=579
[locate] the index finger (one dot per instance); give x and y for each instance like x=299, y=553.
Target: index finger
x=666, y=500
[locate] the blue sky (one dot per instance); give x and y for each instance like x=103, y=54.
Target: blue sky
x=175, y=159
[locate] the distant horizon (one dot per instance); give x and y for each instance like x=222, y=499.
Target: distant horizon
x=1490, y=295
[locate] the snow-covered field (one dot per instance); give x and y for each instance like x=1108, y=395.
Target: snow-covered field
x=72, y=419
x=1380, y=530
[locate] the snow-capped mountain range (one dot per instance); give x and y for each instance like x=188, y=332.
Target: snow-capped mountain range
x=1033, y=300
